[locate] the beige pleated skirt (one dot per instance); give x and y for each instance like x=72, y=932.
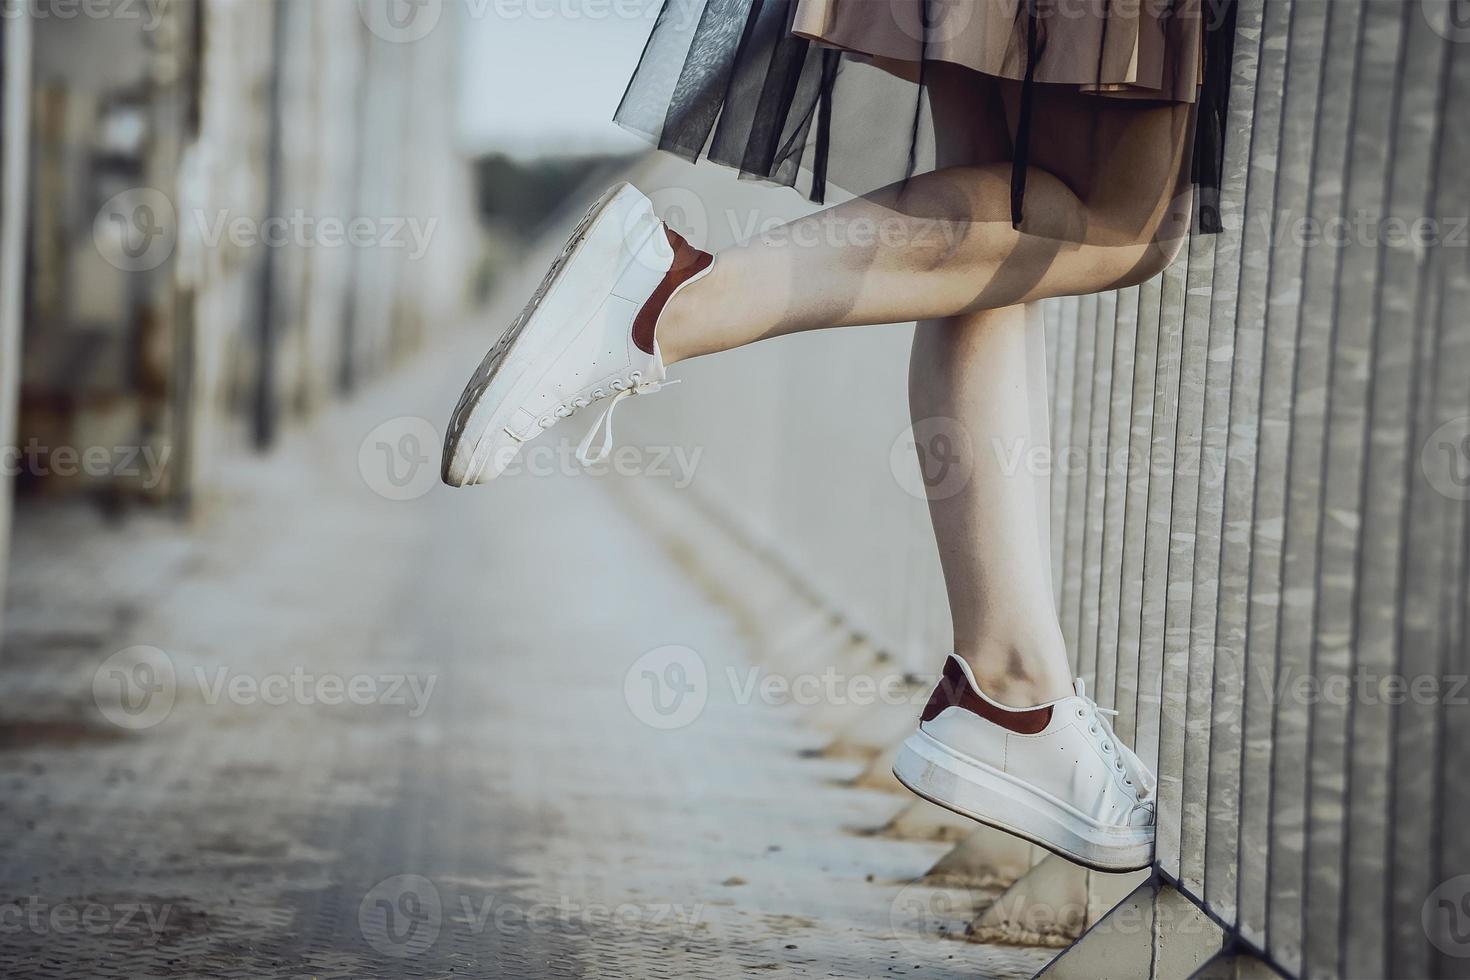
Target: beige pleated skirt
x=808, y=93
x=1148, y=49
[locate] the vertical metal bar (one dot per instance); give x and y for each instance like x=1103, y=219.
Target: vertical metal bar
x=1240, y=262
x=1218, y=310
x=354, y=320
x=1120, y=417
x=1051, y=312
x=1041, y=325
x=1182, y=561
x=265, y=410
x=185, y=416
x=1076, y=476
x=1160, y=508
x=1105, y=318
x=1061, y=435
x=1136, y=509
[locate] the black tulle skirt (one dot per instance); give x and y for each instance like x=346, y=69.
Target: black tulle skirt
x=814, y=94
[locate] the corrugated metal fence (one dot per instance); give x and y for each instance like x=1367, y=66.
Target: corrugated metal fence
x=1262, y=562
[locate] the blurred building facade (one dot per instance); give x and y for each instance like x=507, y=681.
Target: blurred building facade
x=238, y=209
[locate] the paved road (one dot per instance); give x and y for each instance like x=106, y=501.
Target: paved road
x=379, y=737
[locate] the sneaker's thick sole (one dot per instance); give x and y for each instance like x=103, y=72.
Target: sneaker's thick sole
x=972, y=789
x=597, y=251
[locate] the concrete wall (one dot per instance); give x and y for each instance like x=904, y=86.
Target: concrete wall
x=1277, y=546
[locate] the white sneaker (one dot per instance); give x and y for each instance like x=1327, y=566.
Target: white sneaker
x=1054, y=774
x=588, y=333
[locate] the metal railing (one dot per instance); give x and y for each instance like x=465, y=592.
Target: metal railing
x=1262, y=559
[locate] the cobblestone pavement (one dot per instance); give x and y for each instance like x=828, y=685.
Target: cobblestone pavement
x=379, y=737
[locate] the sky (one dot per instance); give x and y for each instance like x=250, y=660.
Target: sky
x=545, y=75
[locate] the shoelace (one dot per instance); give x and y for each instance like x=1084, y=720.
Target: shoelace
x=633, y=385
x=1135, y=773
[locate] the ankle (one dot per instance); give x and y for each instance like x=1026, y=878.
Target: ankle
x=676, y=333
x=1018, y=679
x=1022, y=692
x=673, y=329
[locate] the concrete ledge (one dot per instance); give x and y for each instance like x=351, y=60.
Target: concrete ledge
x=1155, y=932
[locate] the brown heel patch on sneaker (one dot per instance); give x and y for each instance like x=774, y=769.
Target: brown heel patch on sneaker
x=954, y=691
x=688, y=263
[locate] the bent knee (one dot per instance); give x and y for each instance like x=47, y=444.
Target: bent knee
x=1136, y=265
x=1140, y=249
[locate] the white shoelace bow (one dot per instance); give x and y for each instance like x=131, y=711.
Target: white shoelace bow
x=1128, y=763
x=604, y=424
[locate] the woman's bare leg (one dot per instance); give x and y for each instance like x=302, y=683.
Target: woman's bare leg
x=978, y=377
x=943, y=245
